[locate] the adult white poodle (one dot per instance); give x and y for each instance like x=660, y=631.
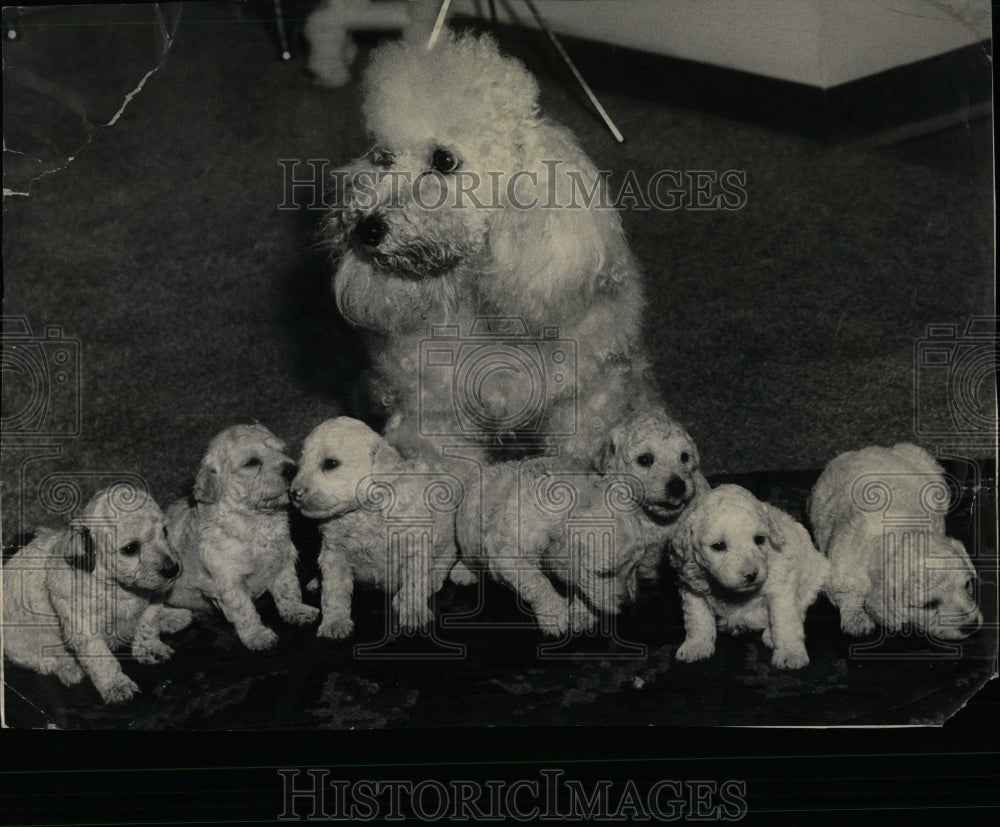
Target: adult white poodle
x=479, y=250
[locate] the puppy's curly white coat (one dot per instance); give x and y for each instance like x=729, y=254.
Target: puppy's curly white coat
x=744, y=565
x=386, y=522
x=233, y=535
x=862, y=508
x=71, y=597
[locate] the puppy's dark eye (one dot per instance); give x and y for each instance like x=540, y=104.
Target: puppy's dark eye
x=719, y=546
x=685, y=456
x=165, y=532
x=131, y=549
x=932, y=604
x=606, y=574
x=645, y=460
x=330, y=464
x=970, y=587
x=253, y=462
x=444, y=161
x=759, y=539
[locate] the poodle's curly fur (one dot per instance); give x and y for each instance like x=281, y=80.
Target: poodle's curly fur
x=744, y=565
x=233, y=535
x=471, y=211
x=594, y=531
x=863, y=507
x=71, y=597
x=386, y=522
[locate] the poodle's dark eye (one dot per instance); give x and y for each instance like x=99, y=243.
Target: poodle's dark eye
x=932, y=604
x=253, y=462
x=383, y=158
x=759, y=539
x=970, y=587
x=645, y=460
x=444, y=161
x=719, y=546
x=330, y=464
x=131, y=549
x=685, y=456
x=165, y=535
x=606, y=574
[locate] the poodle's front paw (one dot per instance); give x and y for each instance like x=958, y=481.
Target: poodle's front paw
x=856, y=623
x=581, y=619
x=554, y=620
x=119, y=689
x=412, y=618
x=174, y=620
x=462, y=575
x=789, y=658
x=69, y=672
x=336, y=627
x=694, y=649
x=152, y=652
x=767, y=639
x=259, y=638
x=298, y=614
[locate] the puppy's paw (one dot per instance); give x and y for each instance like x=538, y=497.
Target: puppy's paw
x=693, y=649
x=69, y=672
x=336, y=627
x=259, y=638
x=462, y=575
x=412, y=618
x=299, y=614
x=767, y=639
x=120, y=689
x=554, y=620
x=152, y=652
x=174, y=620
x=313, y=585
x=789, y=658
x=581, y=619
x=856, y=623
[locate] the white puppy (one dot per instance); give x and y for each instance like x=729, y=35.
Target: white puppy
x=878, y=514
x=233, y=535
x=70, y=597
x=592, y=531
x=386, y=522
x=745, y=566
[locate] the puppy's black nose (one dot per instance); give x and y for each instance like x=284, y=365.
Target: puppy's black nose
x=288, y=471
x=170, y=568
x=750, y=577
x=295, y=494
x=676, y=488
x=971, y=627
x=371, y=231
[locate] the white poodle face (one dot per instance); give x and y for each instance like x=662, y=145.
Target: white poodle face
x=662, y=456
x=729, y=534
x=124, y=540
x=938, y=594
x=336, y=456
x=246, y=468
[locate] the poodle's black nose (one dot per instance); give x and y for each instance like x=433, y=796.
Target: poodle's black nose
x=971, y=628
x=676, y=488
x=371, y=231
x=295, y=494
x=288, y=471
x=170, y=569
x=750, y=577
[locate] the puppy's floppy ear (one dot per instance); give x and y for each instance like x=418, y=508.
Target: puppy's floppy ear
x=683, y=559
x=777, y=536
x=383, y=454
x=609, y=457
x=78, y=547
x=207, y=487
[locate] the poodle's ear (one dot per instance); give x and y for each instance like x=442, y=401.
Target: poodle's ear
x=558, y=239
x=895, y=587
x=207, y=487
x=77, y=547
x=610, y=457
x=682, y=557
x=383, y=454
x=774, y=530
